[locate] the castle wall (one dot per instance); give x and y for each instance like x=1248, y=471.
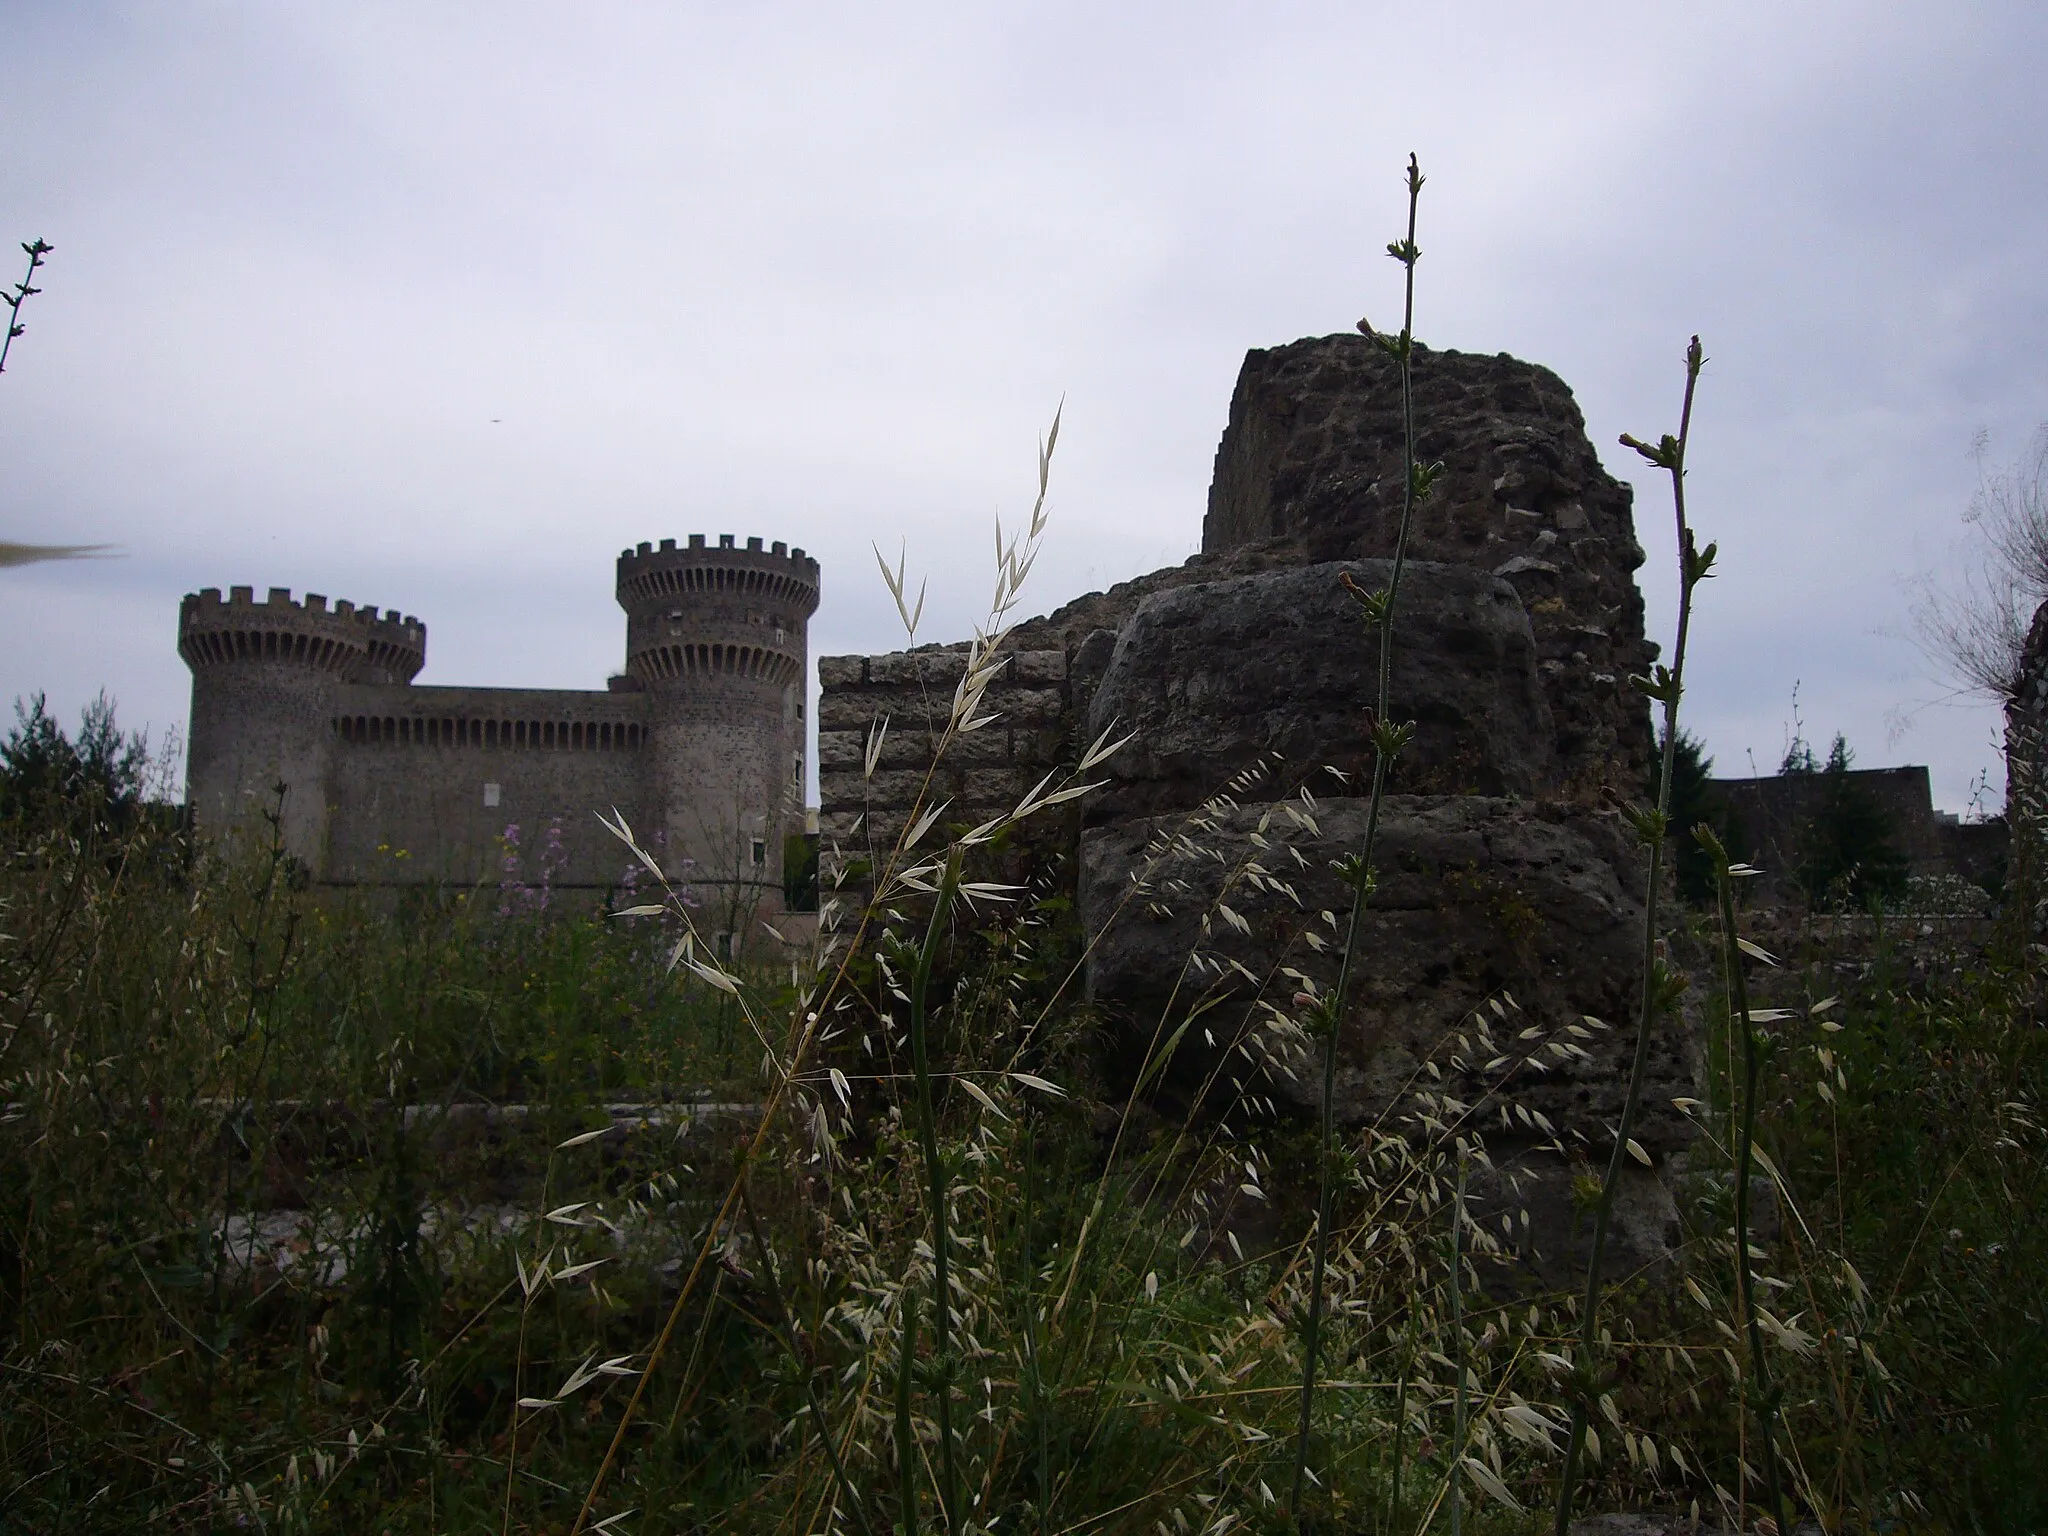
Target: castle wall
x=1769, y=816
x=699, y=743
x=468, y=785
x=720, y=787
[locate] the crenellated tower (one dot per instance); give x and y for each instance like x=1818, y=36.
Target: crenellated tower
x=717, y=636
x=699, y=743
x=264, y=679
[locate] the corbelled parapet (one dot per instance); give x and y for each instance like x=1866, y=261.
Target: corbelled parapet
x=1312, y=462
x=704, y=610
x=355, y=644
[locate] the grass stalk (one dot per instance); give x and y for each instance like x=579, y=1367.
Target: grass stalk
x=1387, y=742
x=935, y=1176
x=1034, y=1403
x=785, y=1328
x=1659, y=987
x=1401, y=1426
x=1459, y=1406
x=906, y=1389
x=1763, y=1394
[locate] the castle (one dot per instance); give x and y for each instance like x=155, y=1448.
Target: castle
x=699, y=742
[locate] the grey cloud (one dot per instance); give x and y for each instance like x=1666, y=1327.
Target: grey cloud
x=441, y=307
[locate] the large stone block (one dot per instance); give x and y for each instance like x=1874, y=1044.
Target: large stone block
x=932, y=666
x=1311, y=460
x=1216, y=676
x=1476, y=897
x=1025, y=706
x=851, y=710
x=842, y=671
x=1034, y=667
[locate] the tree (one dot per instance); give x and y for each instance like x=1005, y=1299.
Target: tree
x=1975, y=630
x=1846, y=851
x=101, y=779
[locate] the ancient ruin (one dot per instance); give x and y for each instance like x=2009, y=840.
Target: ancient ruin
x=1246, y=673
x=699, y=742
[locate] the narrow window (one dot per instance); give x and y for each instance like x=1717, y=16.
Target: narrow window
x=760, y=851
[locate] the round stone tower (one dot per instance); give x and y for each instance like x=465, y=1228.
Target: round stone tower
x=716, y=635
x=263, y=678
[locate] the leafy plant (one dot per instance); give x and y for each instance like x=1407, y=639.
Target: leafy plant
x=1389, y=736
x=1660, y=985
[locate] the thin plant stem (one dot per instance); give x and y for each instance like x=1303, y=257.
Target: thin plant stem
x=935, y=1176
x=1386, y=742
x=1034, y=1401
x=20, y=294
x=1666, y=686
x=906, y=1442
x=1458, y=1403
x=787, y=1330
x=1763, y=1395
x=527, y=1292
x=1401, y=1426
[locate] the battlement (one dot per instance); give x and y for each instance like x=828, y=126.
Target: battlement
x=310, y=706
x=356, y=644
x=775, y=574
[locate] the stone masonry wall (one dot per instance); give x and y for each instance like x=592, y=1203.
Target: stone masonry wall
x=425, y=784
x=986, y=771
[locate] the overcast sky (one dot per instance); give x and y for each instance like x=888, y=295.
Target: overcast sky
x=437, y=307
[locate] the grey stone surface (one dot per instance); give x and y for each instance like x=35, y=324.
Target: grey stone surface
x=1476, y=896
x=2026, y=728
x=1214, y=677
x=1311, y=459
